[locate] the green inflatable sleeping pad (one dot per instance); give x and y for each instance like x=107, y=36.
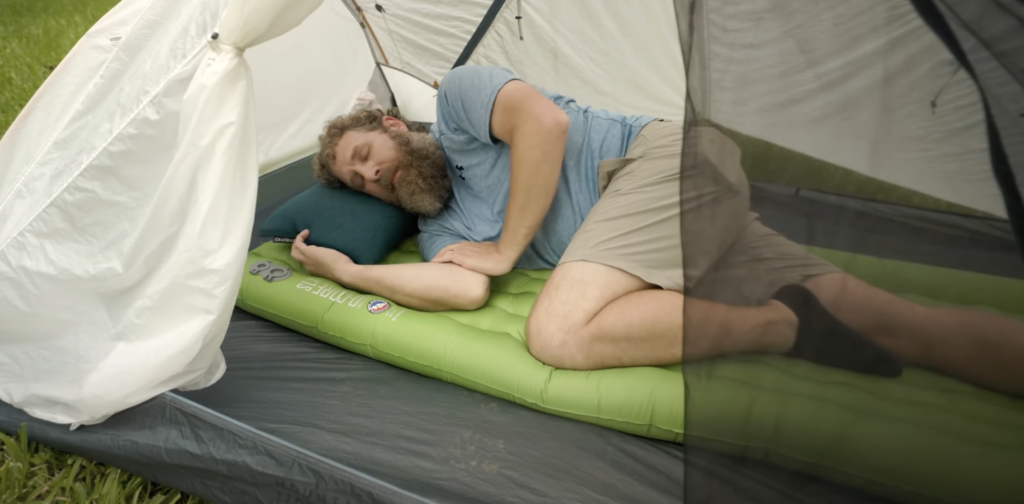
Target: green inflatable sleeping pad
x=920, y=438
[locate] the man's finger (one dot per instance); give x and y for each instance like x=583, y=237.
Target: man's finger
x=445, y=255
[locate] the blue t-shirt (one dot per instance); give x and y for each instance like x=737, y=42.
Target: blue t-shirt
x=478, y=165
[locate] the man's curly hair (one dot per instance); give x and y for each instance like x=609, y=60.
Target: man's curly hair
x=361, y=120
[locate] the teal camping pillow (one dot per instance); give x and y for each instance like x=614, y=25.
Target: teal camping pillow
x=358, y=225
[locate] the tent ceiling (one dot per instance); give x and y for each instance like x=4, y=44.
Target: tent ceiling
x=416, y=99
x=607, y=54
x=422, y=37
x=304, y=78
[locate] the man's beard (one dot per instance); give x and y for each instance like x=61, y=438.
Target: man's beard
x=424, y=186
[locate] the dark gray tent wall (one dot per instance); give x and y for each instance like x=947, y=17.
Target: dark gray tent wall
x=295, y=420
x=986, y=37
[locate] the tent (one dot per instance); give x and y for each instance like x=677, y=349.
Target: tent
x=133, y=183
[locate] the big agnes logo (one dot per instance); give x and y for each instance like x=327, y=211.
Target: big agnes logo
x=378, y=306
x=348, y=298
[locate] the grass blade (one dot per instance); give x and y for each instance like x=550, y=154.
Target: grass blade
x=16, y=470
x=80, y=494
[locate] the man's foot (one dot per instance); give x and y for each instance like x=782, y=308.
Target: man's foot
x=821, y=338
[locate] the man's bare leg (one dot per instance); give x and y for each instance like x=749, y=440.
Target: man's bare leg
x=973, y=345
x=591, y=316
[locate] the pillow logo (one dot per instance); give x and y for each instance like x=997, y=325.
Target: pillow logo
x=378, y=306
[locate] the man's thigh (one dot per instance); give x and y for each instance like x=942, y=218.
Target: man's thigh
x=634, y=227
x=575, y=293
x=664, y=218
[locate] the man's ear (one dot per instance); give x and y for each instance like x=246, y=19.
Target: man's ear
x=395, y=123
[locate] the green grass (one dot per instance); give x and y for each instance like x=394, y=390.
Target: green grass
x=31, y=473
x=35, y=35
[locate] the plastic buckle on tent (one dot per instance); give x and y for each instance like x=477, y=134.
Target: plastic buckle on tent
x=269, y=271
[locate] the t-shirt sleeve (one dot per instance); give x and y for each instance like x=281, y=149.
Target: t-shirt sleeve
x=434, y=237
x=466, y=96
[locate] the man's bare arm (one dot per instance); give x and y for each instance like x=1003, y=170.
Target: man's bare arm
x=535, y=130
x=420, y=286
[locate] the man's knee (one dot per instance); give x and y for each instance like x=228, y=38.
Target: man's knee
x=555, y=343
x=574, y=294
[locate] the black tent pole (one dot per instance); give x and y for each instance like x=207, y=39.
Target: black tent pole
x=478, y=35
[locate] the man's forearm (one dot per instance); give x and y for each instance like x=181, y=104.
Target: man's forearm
x=535, y=156
x=420, y=286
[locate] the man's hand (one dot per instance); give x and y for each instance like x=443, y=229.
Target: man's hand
x=319, y=261
x=485, y=257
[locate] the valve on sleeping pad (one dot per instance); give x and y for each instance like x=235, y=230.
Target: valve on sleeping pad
x=269, y=271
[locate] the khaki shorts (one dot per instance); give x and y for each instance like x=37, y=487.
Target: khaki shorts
x=691, y=229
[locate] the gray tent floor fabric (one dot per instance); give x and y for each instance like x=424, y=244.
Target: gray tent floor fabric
x=179, y=443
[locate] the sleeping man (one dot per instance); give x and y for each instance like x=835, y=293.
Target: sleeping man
x=645, y=248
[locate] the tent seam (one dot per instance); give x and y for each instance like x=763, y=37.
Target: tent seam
x=298, y=449
x=406, y=72
x=364, y=25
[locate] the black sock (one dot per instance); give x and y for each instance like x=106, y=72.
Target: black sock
x=823, y=339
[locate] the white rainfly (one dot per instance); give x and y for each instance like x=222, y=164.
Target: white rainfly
x=127, y=191
x=128, y=183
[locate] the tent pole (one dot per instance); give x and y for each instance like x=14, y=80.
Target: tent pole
x=478, y=35
x=373, y=34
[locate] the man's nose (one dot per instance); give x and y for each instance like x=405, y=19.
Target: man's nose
x=373, y=173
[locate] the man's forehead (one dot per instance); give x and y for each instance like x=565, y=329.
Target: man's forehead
x=344, y=147
x=350, y=141
x=344, y=144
